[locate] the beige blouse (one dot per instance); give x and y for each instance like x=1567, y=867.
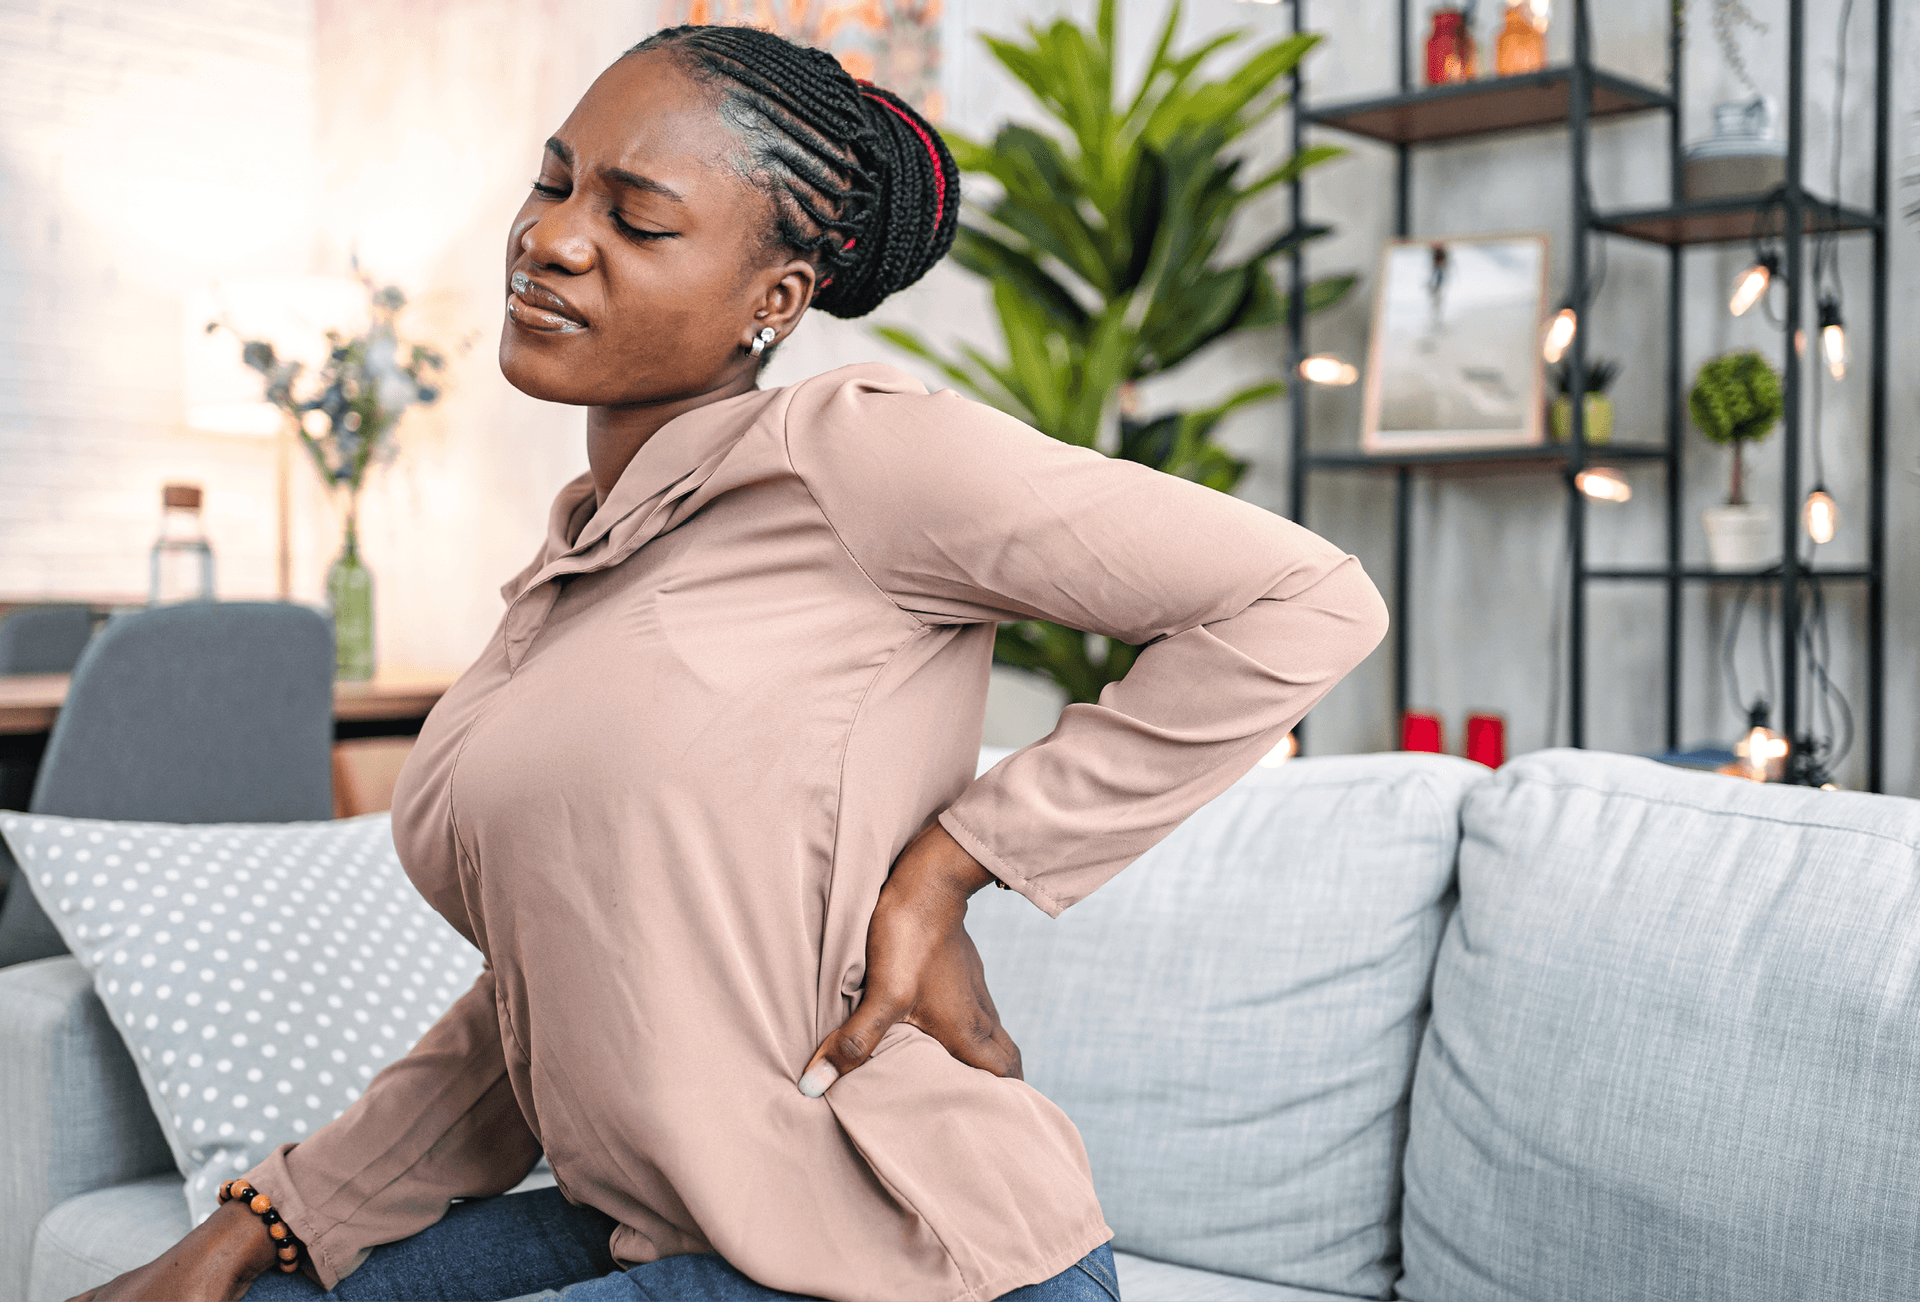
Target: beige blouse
x=663, y=801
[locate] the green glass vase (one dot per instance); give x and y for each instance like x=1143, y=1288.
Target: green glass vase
x=350, y=595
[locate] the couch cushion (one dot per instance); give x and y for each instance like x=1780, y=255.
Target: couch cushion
x=1675, y=1044
x=260, y=974
x=1231, y=1022
x=1143, y=1279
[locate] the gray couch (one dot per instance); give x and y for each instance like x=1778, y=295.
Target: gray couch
x=1385, y=1026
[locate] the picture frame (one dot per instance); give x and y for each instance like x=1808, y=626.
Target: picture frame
x=1454, y=362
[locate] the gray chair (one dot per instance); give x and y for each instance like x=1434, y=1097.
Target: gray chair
x=44, y=639
x=204, y=712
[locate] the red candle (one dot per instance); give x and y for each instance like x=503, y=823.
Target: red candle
x=1420, y=731
x=1487, y=739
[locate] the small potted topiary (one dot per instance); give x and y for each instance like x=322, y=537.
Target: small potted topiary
x=1600, y=375
x=1736, y=400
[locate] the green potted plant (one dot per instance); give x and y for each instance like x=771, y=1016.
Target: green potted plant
x=1736, y=400
x=1102, y=239
x=1600, y=376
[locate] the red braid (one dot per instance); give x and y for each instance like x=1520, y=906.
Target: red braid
x=939, y=176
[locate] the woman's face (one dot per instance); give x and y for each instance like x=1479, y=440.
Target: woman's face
x=637, y=269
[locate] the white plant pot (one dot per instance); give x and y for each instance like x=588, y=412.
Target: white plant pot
x=1741, y=537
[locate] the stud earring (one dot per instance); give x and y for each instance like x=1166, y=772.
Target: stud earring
x=761, y=340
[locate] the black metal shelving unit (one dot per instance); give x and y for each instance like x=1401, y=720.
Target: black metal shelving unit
x=1573, y=98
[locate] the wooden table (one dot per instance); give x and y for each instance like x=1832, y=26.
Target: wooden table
x=392, y=704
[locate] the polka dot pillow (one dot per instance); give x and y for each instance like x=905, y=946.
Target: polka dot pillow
x=259, y=973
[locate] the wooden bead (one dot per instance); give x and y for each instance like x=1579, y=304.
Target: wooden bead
x=260, y=1202
x=288, y=1252
x=277, y=1230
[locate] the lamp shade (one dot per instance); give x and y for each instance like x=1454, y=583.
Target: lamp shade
x=222, y=395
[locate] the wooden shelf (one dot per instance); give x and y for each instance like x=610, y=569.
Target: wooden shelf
x=1726, y=221
x=1483, y=108
x=1538, y=455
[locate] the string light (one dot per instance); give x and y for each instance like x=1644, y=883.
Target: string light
x=1833, y=337
x=1762, y=752
x=1323, y=368
x=1604, y=484
x=1560, y=333
x=1820, y=516
x=1751, y=285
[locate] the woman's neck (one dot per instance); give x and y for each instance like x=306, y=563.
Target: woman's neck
x=616, y=434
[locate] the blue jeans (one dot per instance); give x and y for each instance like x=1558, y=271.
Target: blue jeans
x=487, y=1249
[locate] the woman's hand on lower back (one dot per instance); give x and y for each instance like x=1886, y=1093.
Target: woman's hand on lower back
x=217, y=1261
x=922, y=968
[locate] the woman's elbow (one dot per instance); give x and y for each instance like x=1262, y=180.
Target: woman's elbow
x=1355, y=609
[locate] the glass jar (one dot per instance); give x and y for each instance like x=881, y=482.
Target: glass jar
x=180, y=567
x=1451, y=54
x=1522, y=46
x=350, y=597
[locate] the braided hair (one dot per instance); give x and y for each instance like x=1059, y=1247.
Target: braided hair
x=861, y=184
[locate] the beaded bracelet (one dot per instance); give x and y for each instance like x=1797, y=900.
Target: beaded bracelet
x=286, y=1246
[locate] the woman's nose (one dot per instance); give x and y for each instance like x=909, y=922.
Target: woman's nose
x=553, y=241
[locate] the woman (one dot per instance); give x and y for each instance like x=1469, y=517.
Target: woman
x=705, y=803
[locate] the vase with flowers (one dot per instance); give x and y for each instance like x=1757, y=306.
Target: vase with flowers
x=345, y=414
x=1736, y=400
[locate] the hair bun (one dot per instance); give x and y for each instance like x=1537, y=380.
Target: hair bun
x=861, y=182
x=917, y=209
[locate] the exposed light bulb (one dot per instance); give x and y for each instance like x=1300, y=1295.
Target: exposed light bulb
x=1833, y=338
x=1538, y=12
x=1820, y=516
x=1604, y=484
x=1750, y=287
x=1323, y=368
x=1560, y=332
x=1763, y=754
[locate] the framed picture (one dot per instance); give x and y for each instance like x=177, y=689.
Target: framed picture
x=1455, y=360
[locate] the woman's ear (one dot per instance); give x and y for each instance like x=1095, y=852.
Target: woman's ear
x=782, y=297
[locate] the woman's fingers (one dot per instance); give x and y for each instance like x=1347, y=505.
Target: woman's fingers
x=852, y=1044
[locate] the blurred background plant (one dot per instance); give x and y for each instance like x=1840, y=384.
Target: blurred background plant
x=1736, y=399
x=345, y=412
x=1104, y=250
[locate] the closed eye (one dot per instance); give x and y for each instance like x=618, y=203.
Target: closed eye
x=546, y=191
x=636, y=233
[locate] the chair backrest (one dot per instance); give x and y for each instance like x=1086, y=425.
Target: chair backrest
x=204, y=712
x=44, y=639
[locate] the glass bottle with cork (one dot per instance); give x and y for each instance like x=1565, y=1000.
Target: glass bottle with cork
x=180, y=567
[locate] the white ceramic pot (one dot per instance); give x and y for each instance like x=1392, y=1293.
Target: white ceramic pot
x=1741, y=537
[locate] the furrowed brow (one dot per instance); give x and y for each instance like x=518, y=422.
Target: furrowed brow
x=633, y=180
x=558, y=148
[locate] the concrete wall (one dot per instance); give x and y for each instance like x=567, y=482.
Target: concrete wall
x=145, y=148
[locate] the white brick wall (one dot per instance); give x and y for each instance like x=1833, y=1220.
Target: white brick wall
x=143, y=147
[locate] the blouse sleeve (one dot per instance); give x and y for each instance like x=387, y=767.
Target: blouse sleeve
x=959, y=513
x=438, y=1124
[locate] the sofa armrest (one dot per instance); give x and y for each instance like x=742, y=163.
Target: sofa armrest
x=73, y=1114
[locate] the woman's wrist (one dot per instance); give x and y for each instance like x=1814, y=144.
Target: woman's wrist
x=242, y=1238
x=935, y=859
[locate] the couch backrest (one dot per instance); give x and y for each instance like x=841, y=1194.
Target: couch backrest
x=1675, y=1044
x=1231, y=1022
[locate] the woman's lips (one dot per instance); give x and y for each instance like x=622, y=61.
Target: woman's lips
x=535, y=307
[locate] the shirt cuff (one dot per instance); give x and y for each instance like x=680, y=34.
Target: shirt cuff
x=1009, y=876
